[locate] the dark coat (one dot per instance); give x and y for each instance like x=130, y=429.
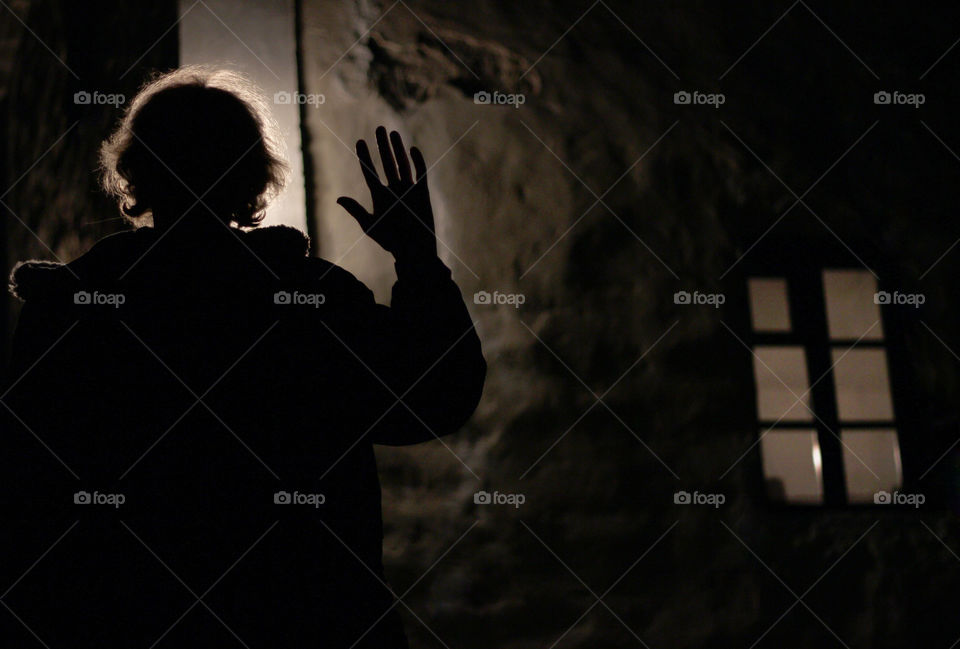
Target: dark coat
x=198, y=375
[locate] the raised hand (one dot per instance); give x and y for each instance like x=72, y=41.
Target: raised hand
x=402, y=218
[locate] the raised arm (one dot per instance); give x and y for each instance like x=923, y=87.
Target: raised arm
x=423, y=349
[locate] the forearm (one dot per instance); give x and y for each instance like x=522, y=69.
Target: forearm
x=437, y=369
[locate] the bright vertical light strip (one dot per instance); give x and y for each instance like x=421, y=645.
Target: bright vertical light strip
x=258, y=39
x=898, y=466
x=817, y=463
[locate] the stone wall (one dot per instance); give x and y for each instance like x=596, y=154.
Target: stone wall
x=691, y=189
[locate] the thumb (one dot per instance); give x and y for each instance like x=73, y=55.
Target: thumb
x=356, y=210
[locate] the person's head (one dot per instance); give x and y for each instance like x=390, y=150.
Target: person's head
x=197, y=138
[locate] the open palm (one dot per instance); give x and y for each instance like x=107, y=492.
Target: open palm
x=402, y=218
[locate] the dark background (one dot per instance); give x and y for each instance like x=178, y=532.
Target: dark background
x=799, y=112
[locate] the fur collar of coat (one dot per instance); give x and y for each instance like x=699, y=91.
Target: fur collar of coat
x=277, y=246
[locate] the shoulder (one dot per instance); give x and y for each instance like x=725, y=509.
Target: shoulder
x=335, y=281
x=37, y=279
x=34, y=279
x=287, y=250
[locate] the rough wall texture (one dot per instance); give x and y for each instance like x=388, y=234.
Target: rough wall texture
x=686, y=190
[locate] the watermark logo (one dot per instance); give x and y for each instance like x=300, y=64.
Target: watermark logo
x=497, y=98
x=97, y=498
x=513, y=299
x=297, y=498
x=897, y=98
x=97, y=98
x=697, y=498
x=299, y=299
x=497, y=498
x=898, y=498
x=899, y=299
x=697, y=98
x=698, y=298
x=99, y=299
x=305, y=99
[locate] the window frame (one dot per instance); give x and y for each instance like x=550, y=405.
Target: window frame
x=806, y=302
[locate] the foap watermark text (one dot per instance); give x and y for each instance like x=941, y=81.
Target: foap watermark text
x=497, y=498
x=97, y=498
x=299, y=299
x=698, y=298
x=696, y=498
x=297, y=498
x=306, y=99
x=899, y=498
x=899, y=299
x=512, y=299
x=497, y=98
x=97, y=98
x=897, y=98
x=96, y=298
x=697, y=98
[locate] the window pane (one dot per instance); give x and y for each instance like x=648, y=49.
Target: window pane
x=851, y=310
x=871, y=462
x=781, y=375
x=768, y=304
x=863, y=386
x=260, y=42
x=792, y=466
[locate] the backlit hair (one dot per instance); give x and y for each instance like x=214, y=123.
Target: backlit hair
x=196, y=133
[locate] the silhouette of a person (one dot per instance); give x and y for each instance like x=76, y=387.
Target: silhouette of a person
x=194, y=404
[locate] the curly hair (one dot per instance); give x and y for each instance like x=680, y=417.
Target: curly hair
x=196, y=136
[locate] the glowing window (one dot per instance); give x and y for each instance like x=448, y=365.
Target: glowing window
x=822, y=380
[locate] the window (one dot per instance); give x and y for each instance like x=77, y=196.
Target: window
x=823, y=394
x=257, y=39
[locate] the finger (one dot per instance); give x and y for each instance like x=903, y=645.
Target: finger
x=401, y=155
x=386, y=157
x=356, y=210
x=419, y=164
x=366, y=166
